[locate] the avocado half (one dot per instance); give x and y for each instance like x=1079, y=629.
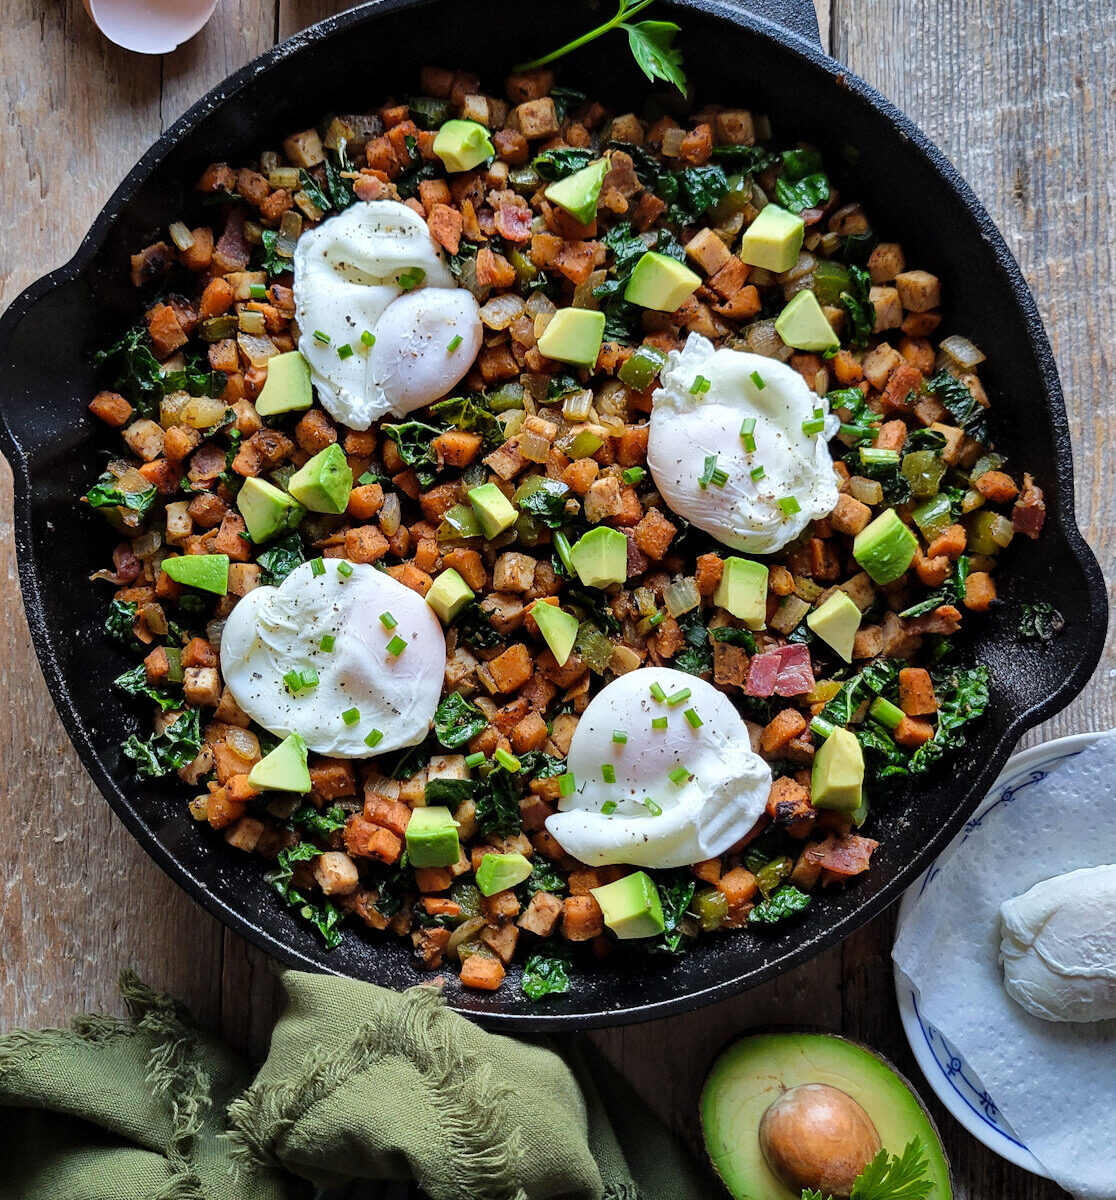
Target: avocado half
x=755, y=1071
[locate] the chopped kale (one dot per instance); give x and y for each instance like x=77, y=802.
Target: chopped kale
x=197, y=378
x=476, y=630
x=407, y=184
x=735, y=637
x=134, y=682
x=862, y=313
x=280, y=559
x=414, y=438
x=561, y=386
x=456, y=721
x=547, y=971
x=456, y=262
x=543, y=878
x=962, y=405
x=1040, y=622
x=692, y=192
x=951, y=592
x=118, y=625
x=896, y=486
x=676, y=891
x=564, y=99
x=535, y=764
x=337, y=187
x=136, y=372
x=471, y=414
x=557, y=164
x=595, y=605
x=547, y=504
x=449, y=793
x=105, y=494
x=313, y=192
x=877, y=678
x=497, y=801
x=962, y=697
x=270, y=260
x=697, y=657
x=164, y=752
x=324, y=916
x=320, y=823
x=811, y=191
x=745, y=160
x=786, y=902
x=884, y=762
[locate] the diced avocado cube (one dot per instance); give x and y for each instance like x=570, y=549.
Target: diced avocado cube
x=498, y=872
x=559, y=629
x=837, y=777
x=578, y=193
x=773, y=239
x=885, y=548
x=494, y=510
x=631, y=906
x=449, y=595
x=266, y=509
x=600, y=557
x=432, y=838
x=803, y=325
x=284, y=769
x=836, y=622
x=287, y=386
x=743, y=591
x=574, y=335
x=463, y=145
x=323, y=483
x=660, y=282
x=206, y=572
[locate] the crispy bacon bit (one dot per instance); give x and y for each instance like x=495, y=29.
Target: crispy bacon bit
x=1029, y=512
x=784, y=671
x=842, y=855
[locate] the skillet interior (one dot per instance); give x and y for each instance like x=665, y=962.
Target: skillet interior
x=350, y=62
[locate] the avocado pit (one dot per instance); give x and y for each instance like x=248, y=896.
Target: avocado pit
x=817, y=1136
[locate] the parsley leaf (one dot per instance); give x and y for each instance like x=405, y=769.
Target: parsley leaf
x=786, y=901
x=456, y=721
x=547, y=971
x=280, y=559
x=164, y=752
x=895, y=1176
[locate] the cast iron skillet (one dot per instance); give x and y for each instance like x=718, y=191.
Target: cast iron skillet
x=351, y=62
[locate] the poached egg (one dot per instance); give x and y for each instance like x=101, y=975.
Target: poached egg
x=273, y=631
x=374, y=269
x=721, y=403
x=705, y=786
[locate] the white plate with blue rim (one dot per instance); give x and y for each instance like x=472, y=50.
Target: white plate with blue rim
x=952, y=1080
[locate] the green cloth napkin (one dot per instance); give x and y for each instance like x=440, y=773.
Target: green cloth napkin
x=359, y=1083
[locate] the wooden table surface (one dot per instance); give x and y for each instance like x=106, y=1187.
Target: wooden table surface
x=1018, y=93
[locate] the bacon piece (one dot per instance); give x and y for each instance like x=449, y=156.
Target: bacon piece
x=232, y=250
x=513, y=222
x=763, y=670
x=843, y=855
x=796, y=675
x=1029, y=512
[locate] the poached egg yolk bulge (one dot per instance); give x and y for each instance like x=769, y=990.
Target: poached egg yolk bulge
x=767, y=432
x=374, y=272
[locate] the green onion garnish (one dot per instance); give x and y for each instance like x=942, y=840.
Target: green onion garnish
x=608, y=772
x=700, y=384
x=814, y=425
x=368, y=338
x=719, y=478
x=258, y=291
x=821, y=727
x=870, y=455
x=345, y=351
x=678, y=697
x=396, y=646
x=327, y=643
x=789, y=506
x=566, y=784
x=293, y=680
x=317, y=566
x=757, y=473
x=309, y=678
x=507, y=760
x=608, y=808
x=885, y=712
x=691, y=716
x=474, y=760
x=712, y=474
x=679, y=775
x=454, y=342
x=619, y=737
x=351, y=716
x=387, y=620
x=561, y=543
x=321, y=337
x=410, y=279
x=657, y=692
x=344, y=569
x=658, y=722
x=652, y=807
x=757, y=379
x=373, y=739
x=633, y=475
x=747, y=432
x=655, y=620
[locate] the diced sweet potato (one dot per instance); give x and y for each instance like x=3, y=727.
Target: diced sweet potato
x=785, y=725
x=365, y=840
x=951, y=543
x=997, y=486
x=481, y=973
x=332, y=778
x=457, y=448
x=582, y=919
x=980, y=591
x=111, y=408
x=916, y=692
x=912, y=733
x=365, y=544
x=512, y=669
x=789, y=802
x=654, y=534
x=738, y=886
x=707, y=576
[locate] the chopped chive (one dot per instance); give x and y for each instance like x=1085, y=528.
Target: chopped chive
x=619, y=737
x=507, y=760
x=345, y=351
x=373, y=739
x=633, y=475
x=747, y=432
x=657, y=692
x=258, y=291
x=562, y=545
x=692, y=717
x=885, y=712
x=814, y=425
x=711, y=473
x=700, y=384
x=757, y=473
x=309, y=678
x=789, y=506
x=368, y=338
x=474, y=760
x=317, y=566
x=396, y=646
x=819, y=412
x=719, y=478
x=757, y=379
x=608, y=772
x=410, y=279
x=678, y=697
x=608, y=808
x=655, y=620
x=387, y=620
x=652, y=807
x=679, y=775
x=870, y=455
x=327, y=643
x=566, y=784
x=344, y=569
x=749, y=443
x=351, y=716
x=324, y=338
x=293, y=680
x=454, y=342
x=658, y=722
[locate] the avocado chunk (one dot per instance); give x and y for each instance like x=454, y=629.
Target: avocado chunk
x=836, y=622
x=631, y=906
x=432, y=838
x=559, y=629
x=449, y=595
x=600, y=557
x=493, y=509
x=660, y=282
x=578, y=193
x=463, y=145
x=323, y=483
x=803, y=325
x=206, y=572
x=885, y=548
x=284, y=769
x=266, y=509
x=756, y=1072
x=773, y=239
x=574, y=335
x=837, y=776
x=287, y=386
x=498, y=872
x=743, y=591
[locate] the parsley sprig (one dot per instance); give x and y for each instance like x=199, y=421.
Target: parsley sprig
x=890, y=1177
x=651, y=43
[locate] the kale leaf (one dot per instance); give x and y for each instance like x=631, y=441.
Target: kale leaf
x=784, y=902
x=105, y=494
x=197, y=378
x=337, y=187
x=692, y=192
x=697, y=657
x=543, y=878
x=564, y=99
x=877, y=678
x=497, y=801
x=884, y=762
x=456, y=721
x=280, y=559
x=735, y=637
x=472, y=415
x=476, y=630
x=313, y=192
x=676, y=891
x=449, y=793
x=119, y=622
x=811, y=191
x=134, y=682
x=414, y=440
x=271, y=260
x=745, y=160
x=1040, y=622
x=962, y=405
x=136, y=372
x=320, y=823
x=896, y=486
x=557, y=164
x=962, y=697
x=164, y=752
x=951, y=592
x=595, y=605
x=547, y=971
x=325, y=917
x=862, y=313
x=547, y=504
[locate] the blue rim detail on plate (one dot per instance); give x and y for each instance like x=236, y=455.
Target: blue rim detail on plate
x=952, y=1080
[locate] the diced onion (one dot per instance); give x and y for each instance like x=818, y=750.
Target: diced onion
x=284, y=177
x=251, y=321
x=961, y=352
x=762, y=339
x=154, y=618
x=203, y=412
x=390, y=515
x=501, y=311
x=645, y=601
x=269, y=160
x=171, y=408
x=147, y=544
x=465, y=932
x=867, y=491
x=789, y=613
x=681, y=597
x=578, y=406
x=513, y=421
x=583, y=294
x=180, y=234
x=213, y=631
x=805, y=265
x=290, y=226
x=539, y=304
x=672, y=142
x=257, y=350
x=1000, y=530
x=243, y=743
x=253, y=232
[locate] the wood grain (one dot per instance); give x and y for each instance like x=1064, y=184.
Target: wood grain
x=1018, y=93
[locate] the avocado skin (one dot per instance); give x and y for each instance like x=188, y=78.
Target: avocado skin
x=753, y=1071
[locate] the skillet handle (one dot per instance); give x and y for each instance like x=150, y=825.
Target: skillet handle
x=796, y=16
